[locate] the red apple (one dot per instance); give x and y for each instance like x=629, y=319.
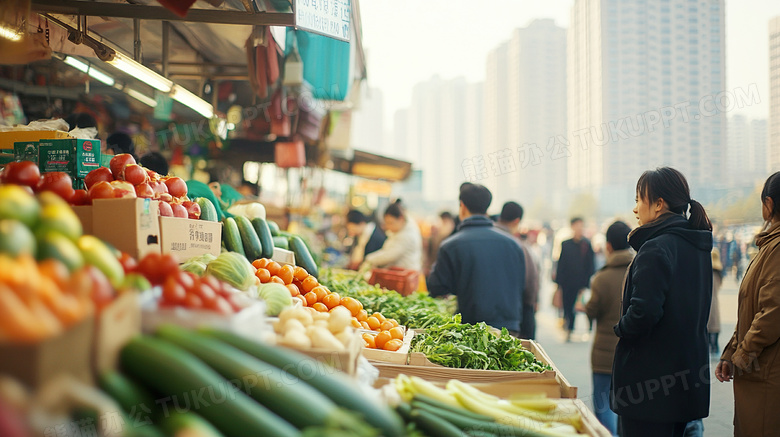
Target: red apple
x=97, y=175
x=80, y=197
x=101, y=190
x=134, y=173
x=144, y=190
x=123, y=189
x=176, y=186
x=165, y=209
x=193, y=209
x=58, y=182
x=119, y=162
x=179, y=210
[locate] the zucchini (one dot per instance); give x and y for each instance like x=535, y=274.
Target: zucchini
x=207, y=210
x=275, y=230
x=339, y=389
x=303, y=257
x=249, y=238
x=434, y=426
x=231, y=236
x=266, y=239
x=282, y=243
x=125, y=392
x=170, y=371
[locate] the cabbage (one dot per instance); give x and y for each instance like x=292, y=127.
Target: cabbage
x=276, y=296
x=234, y=269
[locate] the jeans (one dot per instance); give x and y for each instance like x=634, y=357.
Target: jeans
x=640, y=428
x=694, y=429
x=528, y=324
x=601, y=383
x=569, y=298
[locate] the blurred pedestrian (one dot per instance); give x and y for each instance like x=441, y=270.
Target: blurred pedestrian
x=575, y=267
x=752, y=356
x=509, y=221
x=666, y=304
x=481, y=265
x=403, y=246
x=156, y=162
x=367, y=236
x=440, y=233
x=713, y=325
x=604, y=308
x=120, y=142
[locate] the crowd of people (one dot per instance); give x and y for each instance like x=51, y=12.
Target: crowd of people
x=653, y=297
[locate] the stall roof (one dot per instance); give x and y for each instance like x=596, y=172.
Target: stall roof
x=372, y=166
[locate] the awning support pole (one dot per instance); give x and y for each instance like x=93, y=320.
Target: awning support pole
x=137, y=39
x=166, y=27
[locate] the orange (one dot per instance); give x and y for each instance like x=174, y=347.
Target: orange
x=277, y=279
x=319, y=306
x=394, y=322
x=365, y=325
x=393, y=345
x=362, y=315
x=386, y=325
x=294, y=292
x=397, y=333
x=373, y=323
x=369, y=341
x=321, y=292
x=378, y=316
x=299, y=273
x=273, y=267
x=264, y=275
x=286, y=273
x=353, y=305
x=260, y=263
x=303, y=300
x=332, y=300
x=311, y=298
x=355, y=323
x=382, y=338
x=309, y=283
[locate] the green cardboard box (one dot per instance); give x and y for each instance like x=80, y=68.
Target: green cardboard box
x=76, y=157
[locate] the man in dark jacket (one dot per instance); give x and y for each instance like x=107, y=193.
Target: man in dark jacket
x=661, y=368
x=481, y=265
x=604, y=307
x=575, y=267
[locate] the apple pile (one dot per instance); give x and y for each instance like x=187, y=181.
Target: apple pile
x=126, y=179
x=27, y=174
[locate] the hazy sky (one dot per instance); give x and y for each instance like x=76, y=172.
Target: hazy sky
x=409, y=41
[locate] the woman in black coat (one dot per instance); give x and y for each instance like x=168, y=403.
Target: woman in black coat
x=660, y=377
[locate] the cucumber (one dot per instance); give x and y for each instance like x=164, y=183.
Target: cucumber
x=434, y=426
x=266, y=239
x=303, y=257
x=461, y=411
x=277, y=390
x=282, y=243
x=170, y=371
x=249, y=238
x=125, y=392
x=207, y=210
x=467, y=423
x=231, y=236
x=187, y=424
x=339, y=389
x=275, y=230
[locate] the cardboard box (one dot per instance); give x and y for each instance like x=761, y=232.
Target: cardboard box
x=130, y=225
x=35, y=364
x=185, y=238
x=73, y=156
x=283, y=256
x=345, y=361
x=8, y=138
x=116, y=325
x=401, y=356
x=84, y=213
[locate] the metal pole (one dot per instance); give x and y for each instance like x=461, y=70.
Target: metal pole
x=137, y=39
x=166, y=26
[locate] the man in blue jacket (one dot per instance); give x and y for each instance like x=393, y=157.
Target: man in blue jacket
x=481, y=265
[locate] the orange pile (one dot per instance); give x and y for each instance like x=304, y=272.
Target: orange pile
x=389, y=340
x=312, y=294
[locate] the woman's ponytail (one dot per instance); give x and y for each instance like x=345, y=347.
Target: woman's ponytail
x=698, y=217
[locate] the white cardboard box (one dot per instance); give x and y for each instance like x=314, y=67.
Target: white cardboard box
x=186, y=238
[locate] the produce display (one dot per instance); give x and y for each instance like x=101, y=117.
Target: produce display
x=468, y=346
x=460, y=408
x=304, y=328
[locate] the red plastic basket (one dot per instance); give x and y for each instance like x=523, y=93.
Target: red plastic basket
x=401, y=280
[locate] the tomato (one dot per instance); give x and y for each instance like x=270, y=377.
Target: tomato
x=193, y=301
x=57, y=182
x=144, y=191
x=260, y=263
x=178, y=210
x=393, y=345
x=216, y=285
x=353, y=305
x=193, y=209
x=382, y=338
x=386, y=325
x=205, y=292
x=101, y=190
x=321, y=307
x=98, y=175
x=186, y=280
x=123, y=190
x=264, y=275
x=311, y=298
x=299, y=273
x=331, y=300
x=156, y=268
x=294, y=291
x=362, y=315
x=165, y=209
x=277, y=279
x=21, y=173
x=176, y=186
x=309, y=283
x=373, y=323
x=221, y=305
x=369, y=340
x=118, y=163
x=397, y=332
x=286, y=273
x=273, y=267
x=173, y=292
x=134, y=173
x=129, y=264
x=80, y=197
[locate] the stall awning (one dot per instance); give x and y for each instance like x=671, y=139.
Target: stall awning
x=371, y=166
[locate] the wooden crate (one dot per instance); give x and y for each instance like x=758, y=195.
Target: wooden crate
x=401, y=356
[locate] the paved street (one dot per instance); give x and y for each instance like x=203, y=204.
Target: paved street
x=573, y=359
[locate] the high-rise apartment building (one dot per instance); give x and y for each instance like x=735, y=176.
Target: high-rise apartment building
x=746, y=156
x=774, y=94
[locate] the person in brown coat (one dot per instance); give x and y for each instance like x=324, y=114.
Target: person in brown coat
x=604, y=308
x=752, y=357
